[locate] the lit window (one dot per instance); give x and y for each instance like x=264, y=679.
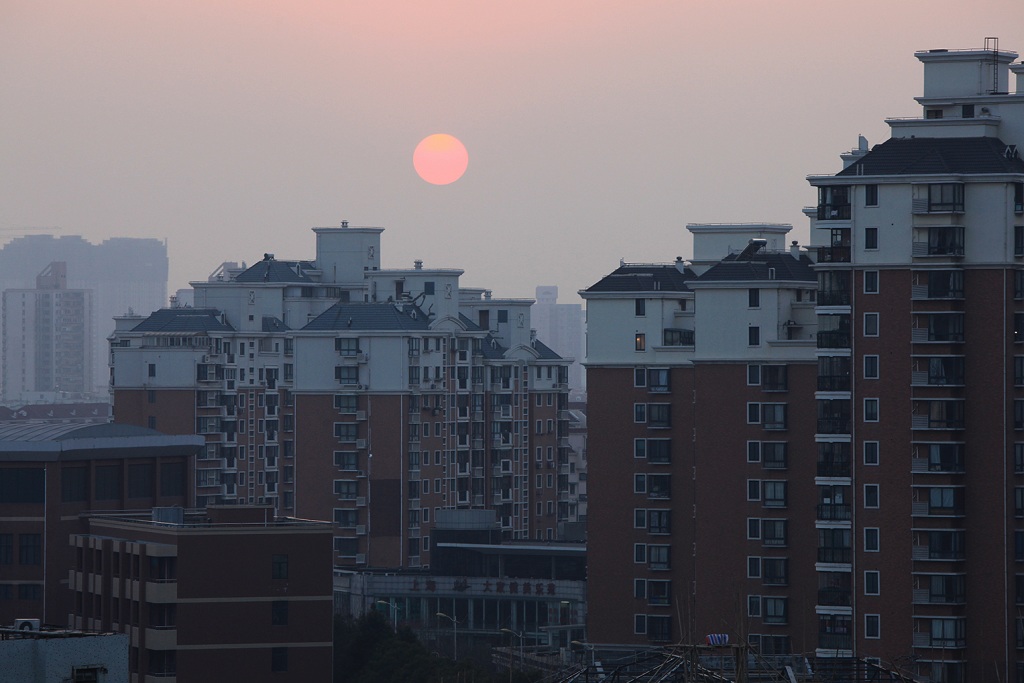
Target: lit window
x=640, y=341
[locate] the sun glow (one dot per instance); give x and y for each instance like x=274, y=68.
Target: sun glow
x=440, y=159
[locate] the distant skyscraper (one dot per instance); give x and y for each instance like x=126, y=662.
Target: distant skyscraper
x=123, y=273
x=47, y=338
x=561, y=327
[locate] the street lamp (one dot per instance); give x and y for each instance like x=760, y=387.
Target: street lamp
x=520, y=637
x=394, y=612
x=455, y=634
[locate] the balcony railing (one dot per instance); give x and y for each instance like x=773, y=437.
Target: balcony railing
x=834, y=383
x=834, y=512
x=834, y=425
x=833, y=254
x=834, y=339
x=835, y=467
x=840, y=555
x=833, y=212
x=832, y=297
x=834, y=597
x=835, y=641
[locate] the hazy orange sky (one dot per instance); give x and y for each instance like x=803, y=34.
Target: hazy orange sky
x=596, y=130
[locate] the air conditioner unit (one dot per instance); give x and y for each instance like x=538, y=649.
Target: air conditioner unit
x=360, y=558
x=360, y=443
x=361, y=530
x=361, y=501
x=360, y=414
x=26, y=624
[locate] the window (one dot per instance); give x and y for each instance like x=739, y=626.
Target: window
x=871, y=239
x=871, y=539
x=753, y=529
x=659, y=415
x=871, y=195
x=870, y=495
x=346, y=490
x=172, y=479
x=658, y=557
x=773, y=415
x=639, y=412
x=346, y=518
x=946, y=197
x=659, y=521
x=773, y=455
x=753, y=375
x=345, y=403
x=278, y=659
x=279, y=612
x=658, y=485
x=658, y=380
x=870, y=324
x=279, y=567
x=659, y=592
x=871, y=367
x=639, y=483
x=753, y=413
x=775, y=571
x=753, y=451
x=640, y=624
x=773, y=532
x=871, y=582
x=346, y=346
x=140, y=480
x=6, y=549
x=502, y=315
x=640, y=553
x=871, y=282
x=640, y=341
x=347, y=460
x=659, y=451
x=773, y=494
x=774, y=611
x=640, y=588
x=872, y=628
x=640, y=307
x=753, y=567
x=871, y=410
x=108, y=482
x=30, y=549
x=753, y=489
x=152, y=369
x=347, y=374
x=870, y=452
x=639, y=377
x=753, y=298
x=753, y=336
x=753, y=605
x=74, y=484
x=22, y=485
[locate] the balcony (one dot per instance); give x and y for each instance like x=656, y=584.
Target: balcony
x=833, y=255
x=834, y=425
x=835, y=641
x=162, y=638
x=833, y=467
x=834, y=512
x=834, y=382
x=834, y=211
x=834, y=297
x=834, y=597
x=834, y=339
x=835, y=555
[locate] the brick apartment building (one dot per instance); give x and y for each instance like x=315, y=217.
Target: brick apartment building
x=50, y=474
x=838, y=442
x=333, y=389
x=225, y=593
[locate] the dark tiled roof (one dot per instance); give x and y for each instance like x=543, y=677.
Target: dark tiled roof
x=545, y=352
x=732, y=268
x=59, y=431
x=272, y=270
x=470, y=325
x=644, y=278
x=905, y=156
x=183, y=320
x=362, y=316
x=272, y=324
x=491, y=349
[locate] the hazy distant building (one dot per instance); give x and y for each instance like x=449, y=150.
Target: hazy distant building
x=561, y=327
x=47, y=339
x=124, y=273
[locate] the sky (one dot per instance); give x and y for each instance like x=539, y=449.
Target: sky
x=595, y=130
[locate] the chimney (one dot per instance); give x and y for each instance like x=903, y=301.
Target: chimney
x=794, y=249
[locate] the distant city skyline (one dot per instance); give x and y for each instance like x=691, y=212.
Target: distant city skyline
x=596, y=130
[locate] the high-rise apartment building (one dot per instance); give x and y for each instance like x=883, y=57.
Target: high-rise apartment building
x=48, y=339
x=124, y=274
x=334, y=389
x=886, y=519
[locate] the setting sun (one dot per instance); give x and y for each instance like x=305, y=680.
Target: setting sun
x=440, y=159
